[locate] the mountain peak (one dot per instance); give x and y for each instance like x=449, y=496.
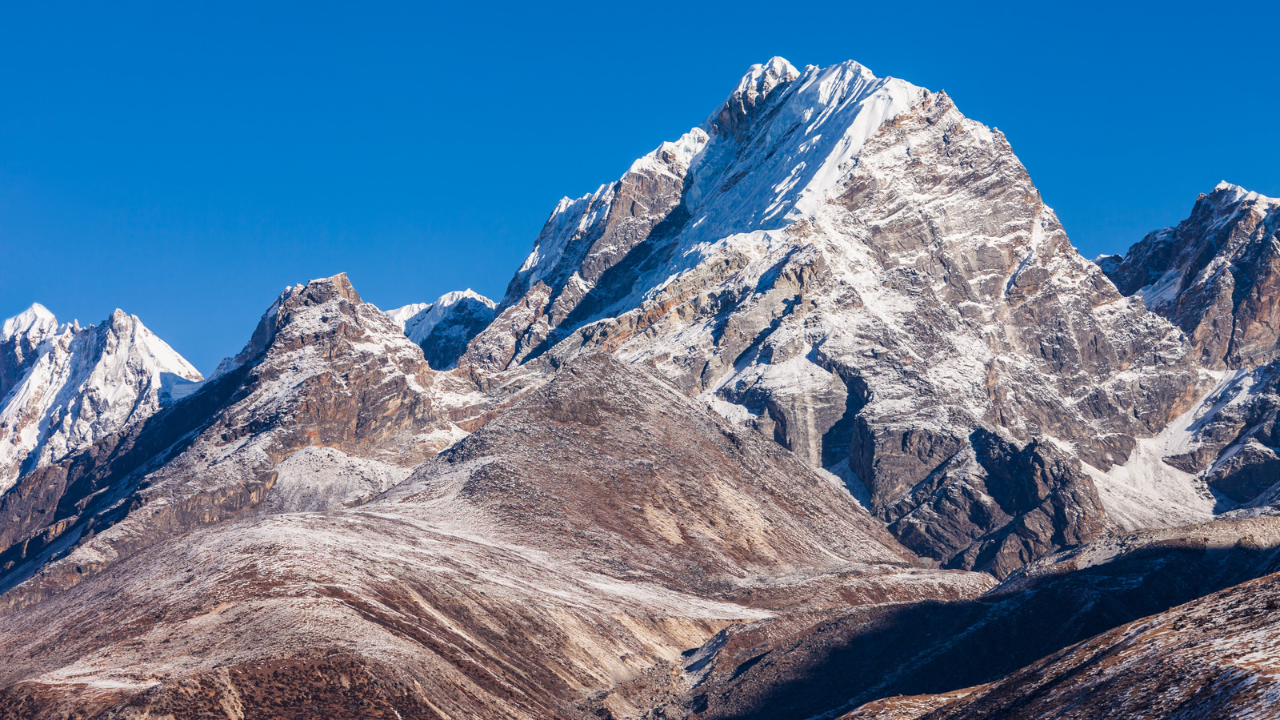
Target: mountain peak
x=36, y=316
x=322, y=290
x=751, y=92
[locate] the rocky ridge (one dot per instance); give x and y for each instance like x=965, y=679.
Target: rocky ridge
x=324, y=373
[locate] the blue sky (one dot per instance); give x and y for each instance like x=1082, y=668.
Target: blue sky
x=186, y=161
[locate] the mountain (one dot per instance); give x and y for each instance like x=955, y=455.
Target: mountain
x=327, y=405
x=814, y=412
x=586, y=537
x=1209, y=658
x=443, y=328
x=849, y=265
x=1217, y=275
x=65, y=387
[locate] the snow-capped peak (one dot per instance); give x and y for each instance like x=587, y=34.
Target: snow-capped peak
x=79, y=385
x=36, y=318
x=1231, y=194
x=761, y=79
x=419, y=319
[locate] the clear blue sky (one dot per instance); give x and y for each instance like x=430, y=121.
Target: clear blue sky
x=186, y=161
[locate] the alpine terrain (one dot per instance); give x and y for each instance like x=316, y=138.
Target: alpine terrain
x=815, y=412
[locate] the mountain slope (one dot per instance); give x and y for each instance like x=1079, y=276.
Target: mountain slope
x=850, y=266
x=1214, y=657
x=821, y=664
x=65, y=387
x=1217, y=275
x=324, y=373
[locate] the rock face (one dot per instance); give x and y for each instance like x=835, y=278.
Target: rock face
x=850, y=266
x=1216, y=275
x=584, y=538
x=64, y=387
x=443, y=328
x=322, y=370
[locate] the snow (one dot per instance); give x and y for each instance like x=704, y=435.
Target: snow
x=322, y=478
x=419, y=319
x=82, y=385
x=1146, y=491
x=35, y=320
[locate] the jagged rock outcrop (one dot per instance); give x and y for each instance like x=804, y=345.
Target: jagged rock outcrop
x=64, y=388
x=322, y=370
x=850, y=266
x=584, y=538
x=1216, y=275
x=443, y=328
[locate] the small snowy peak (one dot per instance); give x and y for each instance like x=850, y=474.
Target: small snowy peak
x=1232, y=193
x=34, y=320
x=401, y=315
x=20, y=340
x=751, y=92
x=673, y=158
x=420, y=319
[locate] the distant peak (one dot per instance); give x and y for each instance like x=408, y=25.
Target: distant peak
x=452, y=298
x=35, y=317
x=322, y=290
x=1230, y=193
